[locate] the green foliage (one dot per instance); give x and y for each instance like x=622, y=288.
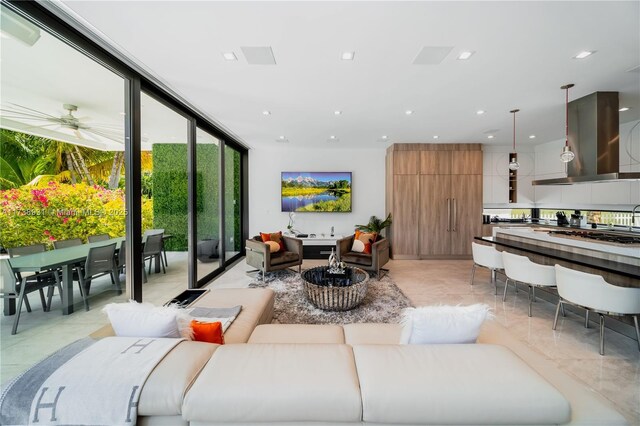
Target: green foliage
x=170, y=196
x=342, y=204
x=23, y=157
x=375, y=225
x=61, y=211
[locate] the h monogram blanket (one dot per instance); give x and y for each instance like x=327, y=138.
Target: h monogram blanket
x=98, y=386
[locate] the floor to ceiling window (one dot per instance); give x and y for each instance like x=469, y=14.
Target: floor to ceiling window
x=72, y=118
x=232, y=204
x=207, y=203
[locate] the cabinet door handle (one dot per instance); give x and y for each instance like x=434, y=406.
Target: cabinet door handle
x=448, y=214
x=455, y=215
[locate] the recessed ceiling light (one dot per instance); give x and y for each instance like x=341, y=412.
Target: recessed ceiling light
x=532, y=136
x=584, y=54
x=408, y=112
x=347, y=56
x=332, y=137
x=490, y=137
x=123, y=113
x=436, y=136
x=465, y=55
x=337, y=112
x=480, y=112
x=282, y=138
x=265, y=112
x=385, y=137
x=623, y=109
x=229, y=56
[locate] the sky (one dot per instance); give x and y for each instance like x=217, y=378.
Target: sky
x=320, y=176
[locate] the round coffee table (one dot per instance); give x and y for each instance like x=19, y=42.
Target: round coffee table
x=335, y=292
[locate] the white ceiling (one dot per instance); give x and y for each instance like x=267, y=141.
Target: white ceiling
x=523, y=55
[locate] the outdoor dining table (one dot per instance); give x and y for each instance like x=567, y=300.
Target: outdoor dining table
x=65, y=259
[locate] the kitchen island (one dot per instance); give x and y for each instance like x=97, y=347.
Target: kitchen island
x=618, y=264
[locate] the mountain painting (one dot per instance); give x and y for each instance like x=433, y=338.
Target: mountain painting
x=316, y=191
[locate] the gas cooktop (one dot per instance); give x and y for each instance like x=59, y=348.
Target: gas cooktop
x=600, y=236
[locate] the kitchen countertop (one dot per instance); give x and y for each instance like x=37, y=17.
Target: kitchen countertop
x=539, y=234
x=617, y=229
x=596, y=259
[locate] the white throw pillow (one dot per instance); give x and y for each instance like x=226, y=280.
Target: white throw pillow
x=443, y=324
x=358, y=246
x=146, y=320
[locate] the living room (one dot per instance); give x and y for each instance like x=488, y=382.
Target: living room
x=269, y=90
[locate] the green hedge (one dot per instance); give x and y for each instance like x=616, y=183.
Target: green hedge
x=170, y=198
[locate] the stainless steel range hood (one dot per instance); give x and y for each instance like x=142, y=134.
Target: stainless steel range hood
x=594, y=137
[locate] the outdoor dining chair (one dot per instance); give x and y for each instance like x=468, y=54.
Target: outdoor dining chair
x=60, y=244
x=29, y=283
x=100, y=261
x=122, y=258
x=98, y=238
x=153, y=249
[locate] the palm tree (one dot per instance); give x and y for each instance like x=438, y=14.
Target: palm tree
x=27, y=159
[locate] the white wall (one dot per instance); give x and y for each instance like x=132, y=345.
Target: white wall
x=495, y=181
x=543, y=162
x=265, y=165
x=607, y=195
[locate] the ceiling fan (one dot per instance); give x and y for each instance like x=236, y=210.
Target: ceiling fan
x=81, y=127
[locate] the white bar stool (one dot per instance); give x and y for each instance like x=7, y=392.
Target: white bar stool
x=487, y=257
x=522, y=269
x=592, y=292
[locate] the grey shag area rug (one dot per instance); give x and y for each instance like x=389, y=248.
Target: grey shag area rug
x=382, y=304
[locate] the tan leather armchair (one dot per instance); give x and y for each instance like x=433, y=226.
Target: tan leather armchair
x=373, y=262
x=259, y=256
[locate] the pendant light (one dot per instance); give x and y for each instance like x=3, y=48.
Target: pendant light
x=513, y=164
x=567, y=155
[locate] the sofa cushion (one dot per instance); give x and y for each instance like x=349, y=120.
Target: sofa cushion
x=273, y=236
x=454, y=384
x=297, y=333
x=164, y=390
x=257, y=308
x=357, y=258
x=372, y=334
x=282, y=257
x=276, y=383
x=587, y=406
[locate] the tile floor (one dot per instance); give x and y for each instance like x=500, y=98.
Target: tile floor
x=571, y=347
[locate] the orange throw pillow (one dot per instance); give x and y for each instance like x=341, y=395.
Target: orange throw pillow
x=207, y=332
x=368, y=238
x=274, y=236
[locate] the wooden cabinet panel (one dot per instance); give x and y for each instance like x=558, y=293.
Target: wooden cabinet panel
x=404, y=231
x=435, y=204
x=405, y=162
x=466, y=191
x=466, y=163
x=435, y=162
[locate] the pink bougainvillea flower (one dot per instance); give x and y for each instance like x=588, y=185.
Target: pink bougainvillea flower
x=65, y=220
x=51, y=239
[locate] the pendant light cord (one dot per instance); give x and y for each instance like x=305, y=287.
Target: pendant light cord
x=566, y=117
x=514, y=132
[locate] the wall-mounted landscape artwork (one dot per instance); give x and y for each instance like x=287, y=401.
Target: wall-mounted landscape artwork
x=316, y=191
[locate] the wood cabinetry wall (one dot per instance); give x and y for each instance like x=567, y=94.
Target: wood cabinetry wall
x=434, y=193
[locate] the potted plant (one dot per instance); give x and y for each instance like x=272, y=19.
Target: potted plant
x=375, y=225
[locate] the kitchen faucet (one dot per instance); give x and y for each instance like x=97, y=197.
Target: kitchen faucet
x=633, y=217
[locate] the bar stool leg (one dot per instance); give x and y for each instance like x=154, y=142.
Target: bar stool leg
x=635, y=321
x=504, y=295
x=601, y=334
x=555, y=320
x=473, y=273
x=530, y=298
x=586, y=318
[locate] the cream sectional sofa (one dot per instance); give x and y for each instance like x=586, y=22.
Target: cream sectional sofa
x=358, y=374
